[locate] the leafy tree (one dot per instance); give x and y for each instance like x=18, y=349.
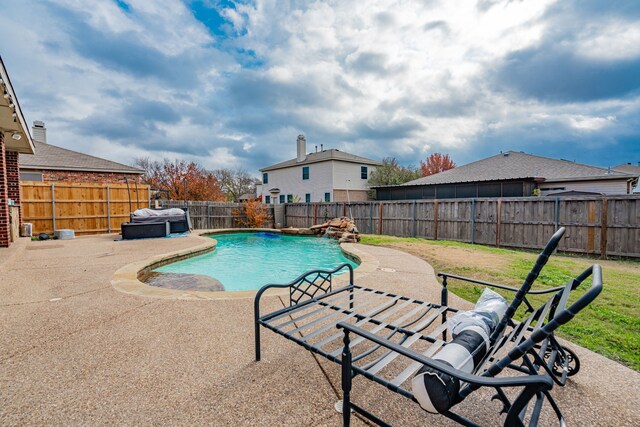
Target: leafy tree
x=391, y=173
x=235, y=183
x=252, y=214
x=183, y=180
x=436, y=163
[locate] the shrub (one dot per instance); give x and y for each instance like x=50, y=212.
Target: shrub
x=252, y=214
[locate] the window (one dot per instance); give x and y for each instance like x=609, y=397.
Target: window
x=289, y=198
x=466, y=190
x=364, y=172
x=265, y=178
x=414, y=193
x=489, y=189
x=447, y=191
x=327, y=197
x=267, y=199
x=512, y=189
x=282, y=198
x=305, y=172
x=31, y=176
x=307, y=198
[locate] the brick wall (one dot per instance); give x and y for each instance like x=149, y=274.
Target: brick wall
x=87, y=177
x=13, y=179
x=4, y=208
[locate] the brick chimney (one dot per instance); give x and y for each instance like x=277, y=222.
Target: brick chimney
x=39, y=131
x=302, y=148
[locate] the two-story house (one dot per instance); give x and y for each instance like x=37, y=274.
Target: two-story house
x=322, y=176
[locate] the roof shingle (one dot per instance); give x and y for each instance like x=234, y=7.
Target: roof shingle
x=322, y=156
x=49, y=156
x=516, y=165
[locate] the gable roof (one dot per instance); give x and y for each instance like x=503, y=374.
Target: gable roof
x=628, y=168
x=323, y=156
x=51, y=157
x=512, y=165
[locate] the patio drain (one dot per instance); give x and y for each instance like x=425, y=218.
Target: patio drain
x=387, y=270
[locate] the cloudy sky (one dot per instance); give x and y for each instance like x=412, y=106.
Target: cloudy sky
x=232, y=83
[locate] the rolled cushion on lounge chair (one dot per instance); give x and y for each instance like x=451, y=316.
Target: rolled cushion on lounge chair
x=436, y=391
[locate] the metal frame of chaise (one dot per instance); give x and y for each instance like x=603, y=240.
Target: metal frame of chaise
x=388, y=328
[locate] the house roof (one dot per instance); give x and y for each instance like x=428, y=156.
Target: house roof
x=51, y=157
x=628, y=168
x=323, y=156
x=512, y=165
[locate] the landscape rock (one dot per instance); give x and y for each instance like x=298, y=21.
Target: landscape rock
x=342, y=229
x=337, y=222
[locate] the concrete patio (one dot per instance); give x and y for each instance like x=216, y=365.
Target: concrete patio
x=73, y=350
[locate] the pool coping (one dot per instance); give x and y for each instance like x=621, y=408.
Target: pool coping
x=127, y=279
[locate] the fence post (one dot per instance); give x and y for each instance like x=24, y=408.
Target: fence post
x=473, y=221
x=435, y=220
x=380, y=219
x=415, y=223
x=315, y=213
x=604, y=222
x=371, y=217
x=108, y=210
x=53, y=206
x=557, y=212
x=498, y=221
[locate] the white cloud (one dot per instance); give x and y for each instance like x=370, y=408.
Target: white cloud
x=611, y=40
x=589, y=123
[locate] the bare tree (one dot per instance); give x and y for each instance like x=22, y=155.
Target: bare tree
x=235, y=182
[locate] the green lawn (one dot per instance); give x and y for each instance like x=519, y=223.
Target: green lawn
x=609, y=326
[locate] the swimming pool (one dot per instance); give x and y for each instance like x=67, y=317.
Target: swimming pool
x=246, y=261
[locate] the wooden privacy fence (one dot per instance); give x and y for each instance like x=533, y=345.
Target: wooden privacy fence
x=595, y=225
x=210, y=215
x=84, y=208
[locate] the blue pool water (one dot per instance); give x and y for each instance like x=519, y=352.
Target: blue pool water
x=243, y=261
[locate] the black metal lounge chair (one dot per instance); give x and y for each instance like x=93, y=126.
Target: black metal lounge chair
x=388, y=339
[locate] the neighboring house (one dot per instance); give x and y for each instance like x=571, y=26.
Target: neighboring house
x=322, y=176
x=14, y=140
x=56, y=164
x=513, y=174
x=631, y=169
x=248, y=196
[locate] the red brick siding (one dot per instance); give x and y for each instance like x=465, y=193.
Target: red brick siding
x=87, y=177
x=13, y=179
x=4, y=208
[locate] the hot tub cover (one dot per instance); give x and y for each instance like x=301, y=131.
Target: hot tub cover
x=145, y=213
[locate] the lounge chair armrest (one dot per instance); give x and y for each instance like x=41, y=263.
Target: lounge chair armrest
x=296, y=283
x=496, y=285
x=444, y=275
x=486, y=381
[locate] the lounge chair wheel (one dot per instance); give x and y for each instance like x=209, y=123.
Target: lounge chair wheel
x=572, y=368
